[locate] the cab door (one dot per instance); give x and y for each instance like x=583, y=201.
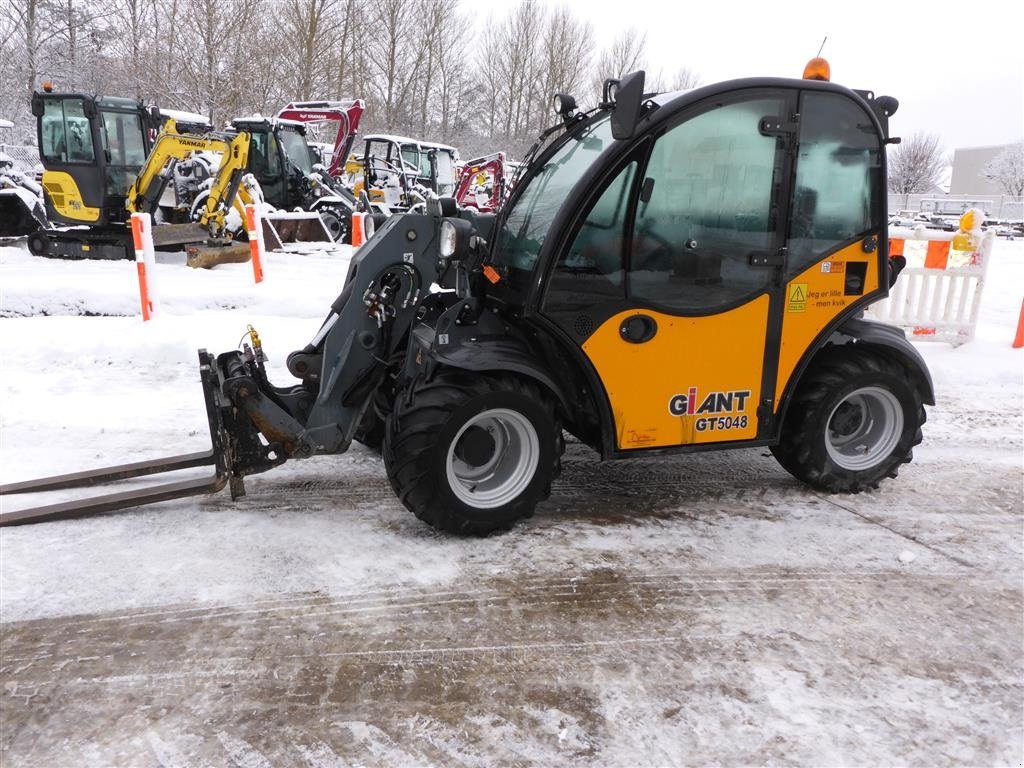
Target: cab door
x=672, y=282
x=73, y=178
x=265, y=165
x=124, y=150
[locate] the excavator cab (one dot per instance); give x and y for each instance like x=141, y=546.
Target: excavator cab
x=91, y=147
x=279, y=158
x=281, y=161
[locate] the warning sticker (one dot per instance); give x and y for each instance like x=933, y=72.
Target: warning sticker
x=797, y=299
x=833, y=267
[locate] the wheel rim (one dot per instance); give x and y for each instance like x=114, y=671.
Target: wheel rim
x=864, y=428
x=488, y=472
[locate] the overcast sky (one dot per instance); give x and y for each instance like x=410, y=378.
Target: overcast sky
x=957, y=69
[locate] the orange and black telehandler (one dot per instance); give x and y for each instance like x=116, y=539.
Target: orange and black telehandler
x=671, y=273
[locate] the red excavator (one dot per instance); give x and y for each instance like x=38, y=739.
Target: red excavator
x=345, y=113
x=485, y=182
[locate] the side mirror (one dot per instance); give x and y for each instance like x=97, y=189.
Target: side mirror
x=629, y=96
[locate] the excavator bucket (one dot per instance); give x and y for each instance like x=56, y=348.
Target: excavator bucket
x=280, y=227
x=20, y=213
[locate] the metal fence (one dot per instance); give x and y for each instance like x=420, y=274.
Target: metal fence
x=25, y=158
x=1002, y=207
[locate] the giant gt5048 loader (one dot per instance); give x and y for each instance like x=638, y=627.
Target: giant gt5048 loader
x=672, y=273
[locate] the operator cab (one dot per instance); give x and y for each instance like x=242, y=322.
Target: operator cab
x=707, y=250
x=279, y=157
x=393, y=166
x=92, y=148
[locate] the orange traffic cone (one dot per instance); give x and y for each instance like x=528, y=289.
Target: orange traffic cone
x=1018, y=342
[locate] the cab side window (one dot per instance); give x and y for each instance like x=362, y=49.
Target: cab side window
x=600, y=245
x=705, y=207
x=67, y=135
x=838, y=165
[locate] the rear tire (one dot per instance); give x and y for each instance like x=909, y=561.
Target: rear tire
x=854, y=419
x=473, y=453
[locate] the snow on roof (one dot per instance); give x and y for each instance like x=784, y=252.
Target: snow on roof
x=181, y=116
x=258, y=118
x=407, y=140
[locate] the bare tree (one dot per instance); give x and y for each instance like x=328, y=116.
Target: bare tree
x=916, y=165
x=1007, y=170
x=395, y=52
x=685, y=79
x=455, y=90
x=489, y=69
x=567, y=47
x=422, y=66
x=626, y=54
x=349, y=65
x=307, y=29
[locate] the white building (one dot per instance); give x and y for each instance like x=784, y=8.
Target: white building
x=967, y=178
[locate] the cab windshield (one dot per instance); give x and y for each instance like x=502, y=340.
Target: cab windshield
x=527, y=222
x=297, y=150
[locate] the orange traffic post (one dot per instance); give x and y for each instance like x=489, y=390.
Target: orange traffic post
x=142, y=236
x=1018, y=342
x=252, y=228
x=358, y=232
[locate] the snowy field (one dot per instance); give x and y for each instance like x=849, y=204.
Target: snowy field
x=701, y=610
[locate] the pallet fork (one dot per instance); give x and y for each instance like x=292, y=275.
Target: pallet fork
x=225, y=446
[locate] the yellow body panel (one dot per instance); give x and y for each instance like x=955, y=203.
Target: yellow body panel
x=66, y=197
x=813, y=299
x=698, y=380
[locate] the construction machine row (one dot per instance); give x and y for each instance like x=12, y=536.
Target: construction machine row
x=105, y=158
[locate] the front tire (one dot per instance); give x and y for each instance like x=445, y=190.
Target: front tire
x=473, y=453
x=854, y=419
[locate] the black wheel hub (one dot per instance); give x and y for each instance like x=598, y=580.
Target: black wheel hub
x=38, y=243
x=847, y=419
x=475, y=447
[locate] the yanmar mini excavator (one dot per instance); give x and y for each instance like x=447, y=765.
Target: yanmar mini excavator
x=672, y=273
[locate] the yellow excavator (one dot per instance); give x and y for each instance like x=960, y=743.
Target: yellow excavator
x=227, y=190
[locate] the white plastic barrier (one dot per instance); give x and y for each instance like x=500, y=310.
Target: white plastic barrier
x=938, y=294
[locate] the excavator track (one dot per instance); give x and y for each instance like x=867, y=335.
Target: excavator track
x=217, y=457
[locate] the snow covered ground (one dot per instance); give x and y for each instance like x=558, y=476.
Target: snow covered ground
x=706, y=609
